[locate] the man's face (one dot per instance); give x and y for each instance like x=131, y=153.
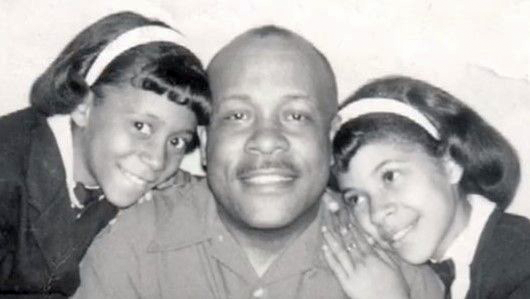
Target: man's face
x=268, y=145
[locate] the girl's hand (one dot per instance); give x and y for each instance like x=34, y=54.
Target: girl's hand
x=363, y=269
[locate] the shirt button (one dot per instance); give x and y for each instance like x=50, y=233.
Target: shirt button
x=258, y=293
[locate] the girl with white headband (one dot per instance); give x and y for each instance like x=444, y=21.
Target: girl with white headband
x=110, y=119
x=428, y=181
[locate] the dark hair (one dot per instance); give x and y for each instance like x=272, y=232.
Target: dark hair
x=161, y=67
x=491, y=166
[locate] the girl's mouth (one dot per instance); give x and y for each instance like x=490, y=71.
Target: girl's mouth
x=139, y=181
x=397, y=236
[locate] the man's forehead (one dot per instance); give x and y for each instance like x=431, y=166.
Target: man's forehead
x=248, y=46
x=283, y=72
x=273, y=62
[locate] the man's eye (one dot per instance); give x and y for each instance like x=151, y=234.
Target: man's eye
x=142, y=127
x=296, y=116
x=390, y=176
x=237, y=116
x=179, y=143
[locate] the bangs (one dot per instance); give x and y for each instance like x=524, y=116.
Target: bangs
x=166, y=69
x=376, y=127
x=180, y=71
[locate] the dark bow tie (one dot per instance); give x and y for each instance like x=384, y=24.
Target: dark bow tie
x=446, y=271
x=86, y=196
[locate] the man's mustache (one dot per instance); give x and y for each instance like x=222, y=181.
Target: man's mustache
x=250, y=166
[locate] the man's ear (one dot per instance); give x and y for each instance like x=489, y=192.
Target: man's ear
x=333, y=129
x=203, y=138
x=453, y=170
x=81, y=113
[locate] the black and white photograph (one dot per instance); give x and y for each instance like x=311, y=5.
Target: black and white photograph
x=235, y=149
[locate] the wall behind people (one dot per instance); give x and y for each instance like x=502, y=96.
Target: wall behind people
x=477, y=50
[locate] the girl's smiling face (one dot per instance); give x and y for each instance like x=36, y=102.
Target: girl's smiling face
x=130, y=142
x=405, y=198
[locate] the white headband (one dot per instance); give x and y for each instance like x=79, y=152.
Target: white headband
x=132, y=38
x=383, y=105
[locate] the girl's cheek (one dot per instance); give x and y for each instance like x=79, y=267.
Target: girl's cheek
x=125, y=142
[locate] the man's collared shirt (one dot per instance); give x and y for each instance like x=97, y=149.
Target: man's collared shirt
x=175, y=246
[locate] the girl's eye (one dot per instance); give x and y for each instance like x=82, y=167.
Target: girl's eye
x=142, y=127
x=179, y=143
x=353, y=199
x=390, y=176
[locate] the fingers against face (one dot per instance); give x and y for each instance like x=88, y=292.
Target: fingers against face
x=358, y=261
x=364, y=242
x=386, y=256
x=348, y=233
x=338, y=250
x=347, y=246
x=351, y=234
x=331, y=254
x=368, y=245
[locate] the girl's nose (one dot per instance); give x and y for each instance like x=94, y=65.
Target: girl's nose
x=380, y=208
x=154, y=155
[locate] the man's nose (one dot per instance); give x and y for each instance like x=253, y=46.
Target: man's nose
x=267, y=139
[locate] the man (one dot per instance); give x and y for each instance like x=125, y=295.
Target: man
x=257, y=233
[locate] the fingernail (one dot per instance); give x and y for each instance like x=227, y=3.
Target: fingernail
x=343, y=231
x=333, y=206
x=149, y=196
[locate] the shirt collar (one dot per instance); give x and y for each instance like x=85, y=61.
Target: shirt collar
x=196, y=214
x=462, y=249
x=60, y=125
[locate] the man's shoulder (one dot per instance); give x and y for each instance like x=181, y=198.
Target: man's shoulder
x=187, y=189
x=138, y=224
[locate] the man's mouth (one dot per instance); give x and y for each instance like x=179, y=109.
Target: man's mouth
x=268, y=176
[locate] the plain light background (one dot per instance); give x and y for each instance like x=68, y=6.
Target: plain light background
x=478, y=50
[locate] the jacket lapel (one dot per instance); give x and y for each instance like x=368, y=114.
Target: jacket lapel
x=61, y=236
x=476, y=284
x=52, y=217
x=45, y=172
